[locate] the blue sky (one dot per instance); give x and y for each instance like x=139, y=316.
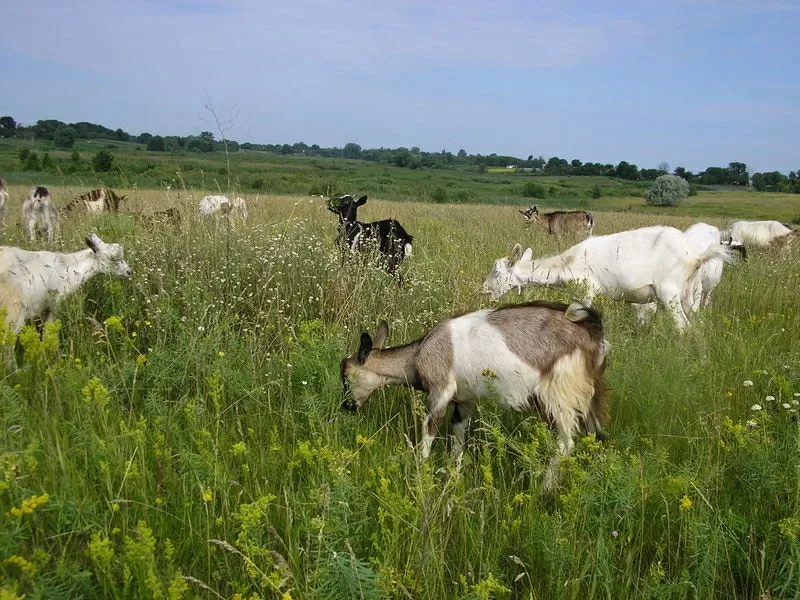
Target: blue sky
x=692, y=83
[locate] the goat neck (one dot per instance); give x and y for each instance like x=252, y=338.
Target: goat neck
x=79, y=267
x=550, y=271
x=382, y=367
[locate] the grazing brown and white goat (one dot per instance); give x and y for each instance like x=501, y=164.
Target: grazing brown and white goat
x=387, y=235
x=560, y=222
x=95, y=201
x=3, y=202
x=39, y=214
x=32, y=283
x=537, y=357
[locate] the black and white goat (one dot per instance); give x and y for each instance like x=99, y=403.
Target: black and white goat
x=388, y=235
x=537, y=357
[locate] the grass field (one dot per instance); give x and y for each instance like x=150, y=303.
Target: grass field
x=179, y=435
x=253, y=172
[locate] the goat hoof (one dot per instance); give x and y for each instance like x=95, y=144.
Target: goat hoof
x=349, y=406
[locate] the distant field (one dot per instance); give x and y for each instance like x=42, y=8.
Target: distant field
x=254, y=173
x=180, y=436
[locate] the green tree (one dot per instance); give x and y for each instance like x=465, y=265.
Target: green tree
x=8, y=127
x=46, y=129
x=625, y=170
x=64, y=137
x=667, y=190
x=156, y=144
x=103, y=161
x=769, y=182
x=31, y=161
x=47, y=162
x=351, y=150
x=738, y=173
x=76, y=156
x=144, y=138
x=402, y=157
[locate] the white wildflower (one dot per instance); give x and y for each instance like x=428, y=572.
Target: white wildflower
x=747, y=383
x=770, y=398
x=786, y=405
x=755, y=407
x=751, y=424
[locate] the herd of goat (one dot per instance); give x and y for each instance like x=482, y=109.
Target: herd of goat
x=548, y=358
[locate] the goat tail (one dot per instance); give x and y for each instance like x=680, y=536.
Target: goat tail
x=715, y=251
x=586, y=316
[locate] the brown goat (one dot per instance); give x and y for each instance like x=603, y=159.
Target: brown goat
x=561, y=221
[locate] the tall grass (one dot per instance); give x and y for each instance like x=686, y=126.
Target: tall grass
x=179, y=435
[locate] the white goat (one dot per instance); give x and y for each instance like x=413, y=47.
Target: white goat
x=39, y=214
x=638, y=266
x=701, y=237
x=537, y=357
x=761, y=234
x=236, y=210
x=32, y=283
x=3, y=202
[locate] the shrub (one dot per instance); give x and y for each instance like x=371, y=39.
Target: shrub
x=439, y=195
x=461, y=196
x=667, y=190
x=64, y=137
x=103, y=161
x=534, y=190
x=30, y=162
x=597, y=192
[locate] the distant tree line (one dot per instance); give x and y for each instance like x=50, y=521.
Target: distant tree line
x=64, y=135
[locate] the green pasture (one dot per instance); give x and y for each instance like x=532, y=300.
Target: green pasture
x=179, y=435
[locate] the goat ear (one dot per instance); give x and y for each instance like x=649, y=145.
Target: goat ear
x=527, y=256
x=535, y=209
x=381, y=334
x=361, y=200
x=93, y=242
x=516, y=252
x=364, y=348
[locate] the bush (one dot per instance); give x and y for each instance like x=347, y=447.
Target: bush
x=597, y=192
x=439, y=195
x=30, y=162
x=64, y=137
x=103, y=161
x=667, y=190
x=534, y=190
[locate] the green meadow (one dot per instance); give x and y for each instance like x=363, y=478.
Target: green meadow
x=179, y=435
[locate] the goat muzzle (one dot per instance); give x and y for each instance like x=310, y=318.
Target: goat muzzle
x=349, y=406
